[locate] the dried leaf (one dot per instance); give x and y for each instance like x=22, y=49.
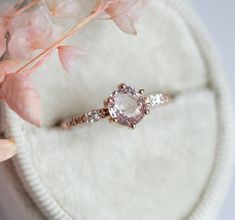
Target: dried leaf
x=22, y=97
x=125, y=13
x=68, y=55
x=101, y=6
x=7, y=149
x=19, y=45
x=19, y=21
x=67, y=9
x=51, y=4
x=31, y=35
x=7, y=66
x=126, y=24
x=2, y=38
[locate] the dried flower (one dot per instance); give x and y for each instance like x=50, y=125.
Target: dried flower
x=68, y=56
x=28, y=37
x=125, y=13
x=7, y=149
x=64, y=9
x=30, y=32
x=22, y=97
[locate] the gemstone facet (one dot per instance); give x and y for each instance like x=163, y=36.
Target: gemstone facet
x=127, y=106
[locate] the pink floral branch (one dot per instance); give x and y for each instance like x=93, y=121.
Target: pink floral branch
x=73, y=30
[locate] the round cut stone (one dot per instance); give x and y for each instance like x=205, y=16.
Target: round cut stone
x=155, y=100
x=127, y=106
x=93, y=116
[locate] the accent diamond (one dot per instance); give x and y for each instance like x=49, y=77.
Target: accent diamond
x=93, y=116
x=154, y=100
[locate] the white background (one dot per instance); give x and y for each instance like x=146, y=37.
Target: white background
x=219, y=18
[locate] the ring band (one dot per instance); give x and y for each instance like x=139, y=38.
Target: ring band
x=126, y=106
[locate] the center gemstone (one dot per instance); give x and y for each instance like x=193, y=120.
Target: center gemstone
x=127, y=106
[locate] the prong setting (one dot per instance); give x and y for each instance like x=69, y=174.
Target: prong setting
x=133, y=126
x=147, y=111
x=141, y=91
x=109, y=100
x=115, y=120
x=105, y=103
x=122, y=86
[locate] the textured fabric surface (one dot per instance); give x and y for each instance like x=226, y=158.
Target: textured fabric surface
x=107, y=172
x=110, y=172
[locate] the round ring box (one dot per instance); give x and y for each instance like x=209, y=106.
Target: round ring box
x=175, y=165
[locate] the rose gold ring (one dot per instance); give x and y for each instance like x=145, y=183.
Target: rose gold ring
x=125, y=106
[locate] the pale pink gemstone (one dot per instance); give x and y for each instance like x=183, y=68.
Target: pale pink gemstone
x=127, y=106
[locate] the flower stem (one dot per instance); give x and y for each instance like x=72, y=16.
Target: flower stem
x=72, y=31
x=26, y=7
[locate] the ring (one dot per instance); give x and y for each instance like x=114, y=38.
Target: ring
x=125, y=106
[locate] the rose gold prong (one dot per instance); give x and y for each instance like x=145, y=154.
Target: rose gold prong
x=146, y=99
x=109, y=100
x=122, y=86
x=147, y=112
x=114, y=120
x=133, y=126
x=141, y=91
x=105, y=102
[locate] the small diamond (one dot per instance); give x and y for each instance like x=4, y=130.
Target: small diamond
x=156, y=99
x=93, y=116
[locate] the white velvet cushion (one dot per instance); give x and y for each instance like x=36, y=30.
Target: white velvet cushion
x=161, y=169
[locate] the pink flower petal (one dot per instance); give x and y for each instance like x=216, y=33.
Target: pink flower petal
x=28, y=35
x=19, y=21
x=42, y=29
x=67, y=9
x=125, y=13
x=101, y=6
x=54, y=33
x=126, y=24
x=68, y=56
x=7, y=9
x=6, y=67
x=24, y=41
x=2, y=38
x=40, y=18
x=21, y=96
x=7, y=149
x=51, y=4
x=120, y=7
x=20, y=44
